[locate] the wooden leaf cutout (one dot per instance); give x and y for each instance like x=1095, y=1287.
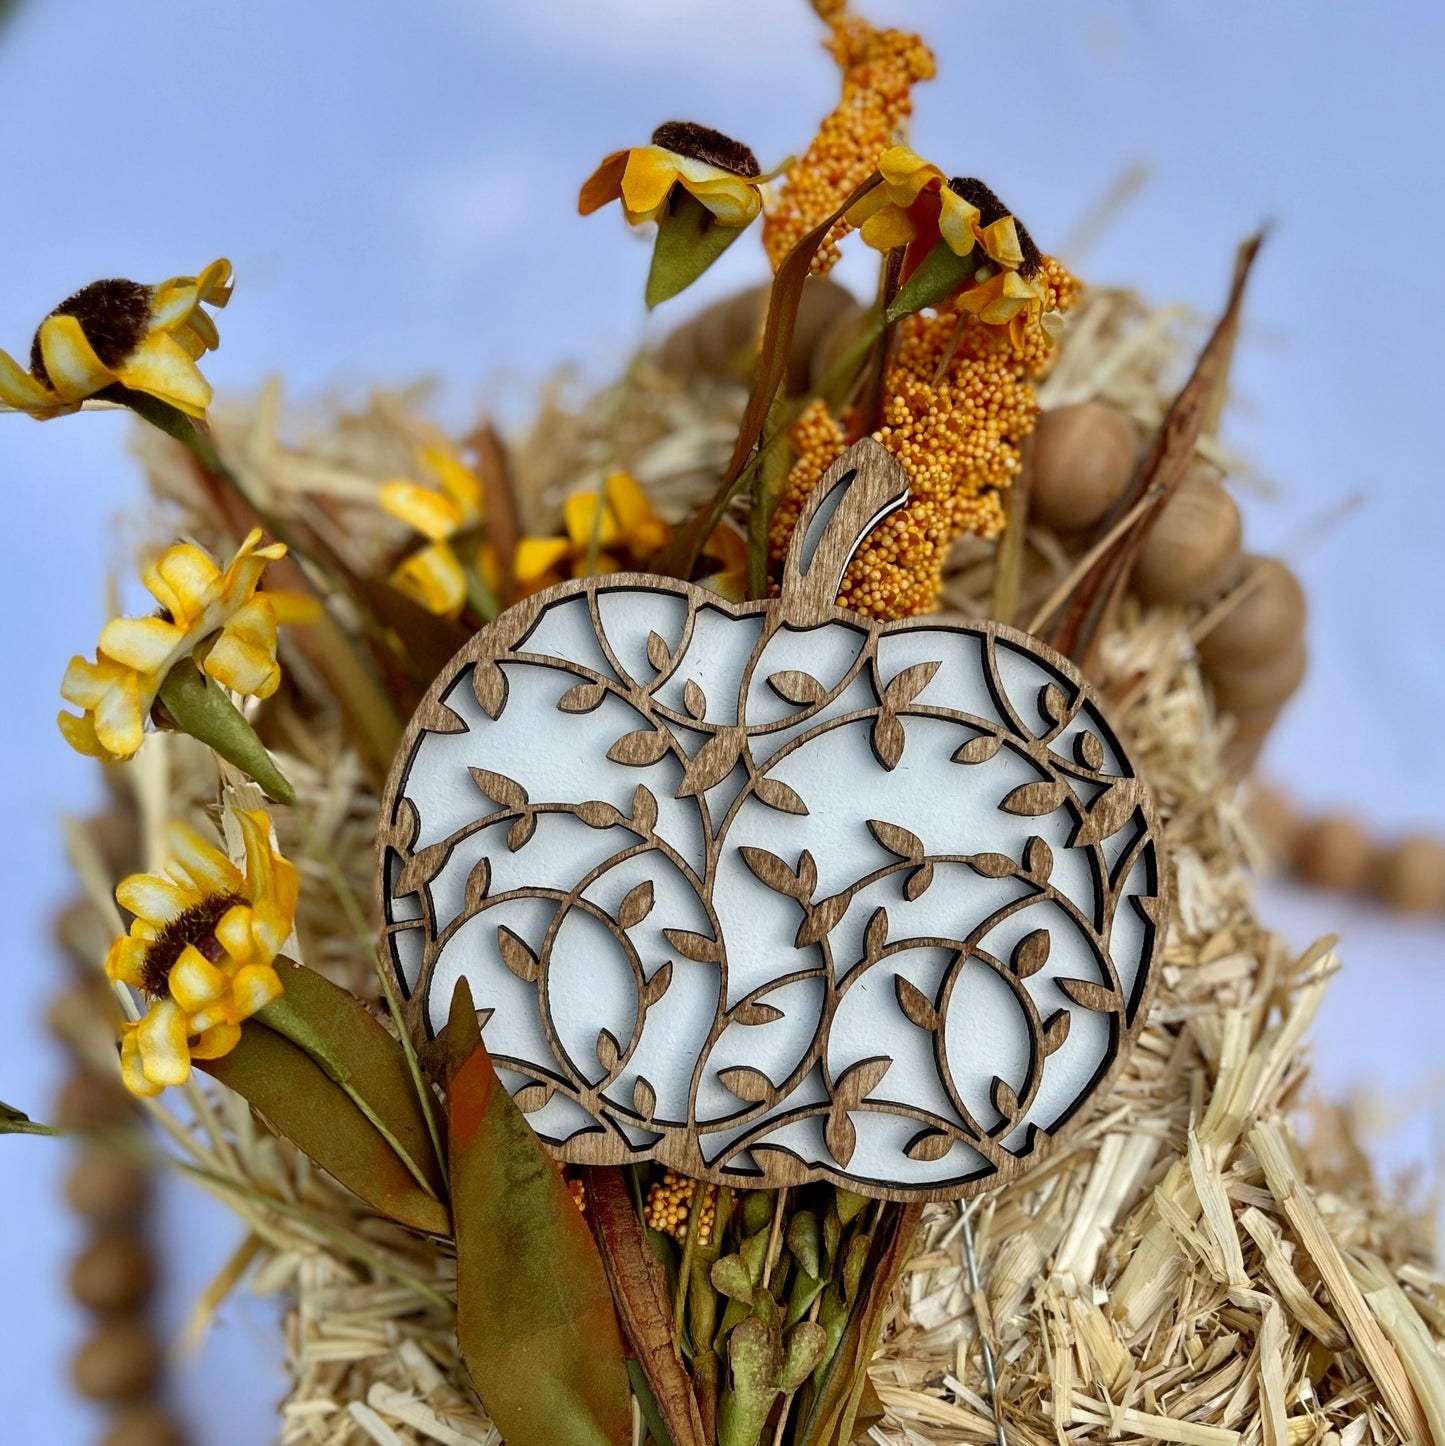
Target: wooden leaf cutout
x=807, y=875
x=499, y=789
x=532, y=1097
x=489, y=687
x=1110, y=811
x=797, y=687
x=639, y=749
x=644, y=1098
x=420, y=868
x=777, y=794
x=909, y=684
x=875, y=938
x=582, y=699
x=1030, y=954
x=517, y=956
x=1034, y=799
x=857, y=1081
x=1088, y=995
x=478, y=882
x=771, y=870
x=897, y=839
x=1038, y=859
x=694, y=700
x=1005, y=1101
x=644, y=810
x=1089, y=750
x=888, y=740
x=820, y=920
x=980, y=749
x=636, y=906
x=1053, y=704
x=521, y=832
x=754, y=1012
x=929, y=1144
x=916, y=885
x=608, y=1050
x=992, y=866
x=657, y=986
x=841, y=1137
x=658, y=653
x=1056, y=1030
x=747, y=1083
x=915, y=1004
x=596, y=814
x=697, y=947
x=712, y=762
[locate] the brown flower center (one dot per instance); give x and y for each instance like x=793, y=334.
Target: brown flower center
x=113, y=315
x=195, y=925
x=700, y=143
x=991, y=209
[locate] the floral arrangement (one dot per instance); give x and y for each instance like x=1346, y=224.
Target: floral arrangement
x=249, y=721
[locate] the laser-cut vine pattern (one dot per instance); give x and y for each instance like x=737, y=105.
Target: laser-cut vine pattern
x=770, y=902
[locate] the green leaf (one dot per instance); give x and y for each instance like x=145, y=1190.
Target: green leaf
x=355, y=1049
x=201, y=708
x=939, y=275
x=308, y=1107
x=534, y=1317
x=17, y=1122
x=689, y=239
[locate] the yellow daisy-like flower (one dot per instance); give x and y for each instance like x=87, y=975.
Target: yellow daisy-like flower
x=120, y=333
x=199, y=603
x=628, y=532
x=722, y=173
x=433, y=575
x=202, y=948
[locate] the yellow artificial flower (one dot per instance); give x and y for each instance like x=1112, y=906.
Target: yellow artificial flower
x=199, y=603
x=722, y=173
x=120, y=333
x=433, y=576
x=628, y=532
x=202, y=948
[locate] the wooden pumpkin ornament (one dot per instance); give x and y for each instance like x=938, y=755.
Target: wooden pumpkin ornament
x=769, y=892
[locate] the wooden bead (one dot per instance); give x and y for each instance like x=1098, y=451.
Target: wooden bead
x=1080, y=461
x=1333, y=852
x=121, y=1361
x=1193, y=549
x=1266, y=684
x=1272, y=822
x=1251, y=733
x=106, y=1189
x=1410, y=876
x=114, y=1272
x=145, y=1425
x=89, y=1102
x=1268, y=619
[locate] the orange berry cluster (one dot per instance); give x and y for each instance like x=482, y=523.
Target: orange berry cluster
x=669, y=1207
x=958, y=439
x=880, y=68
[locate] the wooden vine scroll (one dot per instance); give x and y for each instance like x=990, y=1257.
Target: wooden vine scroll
x=770, y=892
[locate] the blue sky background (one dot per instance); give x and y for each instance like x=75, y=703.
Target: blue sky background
x=396, y=184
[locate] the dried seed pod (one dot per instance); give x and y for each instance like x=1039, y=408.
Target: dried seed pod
x=106, y=1189
x=1268, y=618
x=89, y=1102
x=1080, y=461
x=121, y=1361
x=1267, y=684
x=145, y=1425
x=1410, y=875
x=1193, y=549
x=115, y=1272
x=1333, y=852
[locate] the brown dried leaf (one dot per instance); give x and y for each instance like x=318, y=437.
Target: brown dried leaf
x=916, y=884
x=915, y=1004
x=694, y=700
x=521, y=832
x=1030, y=954
x=658, y=653
x=596, y=814
x=1056, y=1030
x=639, y=749
x=532, y=1097
x=748, y=1084
x=888, y=740
x=489, y=687
x=980, y=749
x=777, y=794
x=909, y=684
x=697, y=947
x=636, y=906
x=517, y=956
x=1088, y=995
x=657, y=986
x=897, y=839
x=1034, y=799
x=793, y=686
x=929, y=1144
x=500, y=789
x=582, y=699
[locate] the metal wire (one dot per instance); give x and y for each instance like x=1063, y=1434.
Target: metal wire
x=970, y=1260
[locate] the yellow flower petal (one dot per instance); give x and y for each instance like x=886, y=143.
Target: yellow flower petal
x=132, y=1070
x=433, y=577
x=215, y=283
x=195, y=982
x=161, y=367
x=80, y=734
x=254, y=987
x=85, y=683
x=579, y=512
x=161, y=1036
x=204, y=867
x=125, y=960
x=24, y=393
x=153, y=899
x=650, y=173
x=120, y=715
x=455, y=479
x=243, y=657
x=887, y=228
x=956, y=221
x=1001, y=243
x=234, y=933
x=628, y=501
x=148, y=645
x=215, y=1041
x=182, y=580
x=535, y=557
x=293, y=609
x=906, y=174
x=172, y=302
x=603, y=185
x=70, y=361
x=434, y=516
